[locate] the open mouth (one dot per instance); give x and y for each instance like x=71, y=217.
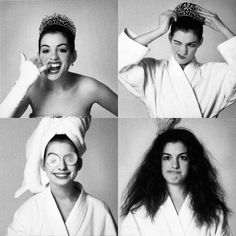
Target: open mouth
x=54, y=68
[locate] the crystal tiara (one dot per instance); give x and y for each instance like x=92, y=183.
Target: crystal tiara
x=57, y=19
x=190, y=10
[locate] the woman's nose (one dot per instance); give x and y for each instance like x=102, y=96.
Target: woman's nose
x=62, y=165
x=184, y=50
x=54, y=55
x=175, y=163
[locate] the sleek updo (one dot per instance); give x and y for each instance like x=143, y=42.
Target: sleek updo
x=187, y=24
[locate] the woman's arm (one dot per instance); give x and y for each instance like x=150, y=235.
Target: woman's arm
x=106, y=98
x=215, y=23
x=16, y=102
x=97, y=92
x=165, y=20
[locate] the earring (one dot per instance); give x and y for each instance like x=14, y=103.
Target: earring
x=72, y=64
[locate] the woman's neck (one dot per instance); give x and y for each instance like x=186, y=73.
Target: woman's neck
x=59, y=84
x=68, y=191
x=177, y=191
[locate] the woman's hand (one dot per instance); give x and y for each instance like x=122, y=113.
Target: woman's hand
x=165, y=20
x=30, y=70
x=214, y=22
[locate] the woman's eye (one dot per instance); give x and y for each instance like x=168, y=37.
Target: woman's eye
x=63, y=50
x=184, y=158
x=45, y=51
x=166, y=158
x=192, y=45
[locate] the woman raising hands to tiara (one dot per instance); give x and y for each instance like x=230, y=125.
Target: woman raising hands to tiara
x=180, y=86
x=46, y=84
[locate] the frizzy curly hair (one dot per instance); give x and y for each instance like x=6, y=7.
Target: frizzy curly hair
x=148, y=187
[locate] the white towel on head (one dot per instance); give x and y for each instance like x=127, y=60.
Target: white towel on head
x=35, y=179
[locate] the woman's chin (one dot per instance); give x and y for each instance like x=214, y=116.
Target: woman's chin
x=53, y=77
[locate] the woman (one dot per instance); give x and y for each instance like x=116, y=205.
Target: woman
x=180, y=87
x=60, y=206
x=175, y=191
x=46, y=84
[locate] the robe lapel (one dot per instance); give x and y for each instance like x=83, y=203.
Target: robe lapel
x=53, y=215
x=182, y=90
x=77, y=215
x=171, y=218
x=186, y=214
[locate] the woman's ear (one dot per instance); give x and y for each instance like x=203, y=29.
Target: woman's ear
x=200, y=43
x=74, y=56
x=79, y=163
x=42, y=164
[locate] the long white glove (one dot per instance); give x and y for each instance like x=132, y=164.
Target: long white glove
x=29, y=72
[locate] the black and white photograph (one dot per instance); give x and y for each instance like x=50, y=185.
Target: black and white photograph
x=117, y=117
x=58, y=58
x=177, y=59
x=177, y=178
x=58, y=176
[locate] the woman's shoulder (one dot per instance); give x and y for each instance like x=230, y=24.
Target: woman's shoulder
x=29, y=205
x=86, y=84
x=83, y=79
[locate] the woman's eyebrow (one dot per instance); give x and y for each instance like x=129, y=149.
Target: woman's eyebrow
x=192, y=42
x=177, y=41
x=61, y=44
x=164, y=153
x=44, y=45
x=52, y=153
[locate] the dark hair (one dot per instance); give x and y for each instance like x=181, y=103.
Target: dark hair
x=62, y=138
x=59, y=29
x=186, y=24
x=148, y=187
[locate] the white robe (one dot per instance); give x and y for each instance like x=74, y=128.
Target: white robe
x=168, y=223
x=201, y=90
x=41, y=216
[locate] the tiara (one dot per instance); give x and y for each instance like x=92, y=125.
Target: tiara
x=57, y=19
x=190, y=10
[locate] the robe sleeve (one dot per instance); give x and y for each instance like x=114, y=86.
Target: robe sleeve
x=129, y=226
x=21, y=223
x=228, y=72
x=222, y=228
x=136, y=73
x=110, y=228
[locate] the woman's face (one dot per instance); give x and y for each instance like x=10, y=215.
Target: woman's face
x=184, y=46
x=55, y=50
x=175, y=163
x=57, y=157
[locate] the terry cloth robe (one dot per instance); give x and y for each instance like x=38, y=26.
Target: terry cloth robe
x=40, y=216
x=168, y=223
x=200, y=90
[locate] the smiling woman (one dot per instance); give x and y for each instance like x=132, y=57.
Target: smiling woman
x=46, y=84
x=60, y=205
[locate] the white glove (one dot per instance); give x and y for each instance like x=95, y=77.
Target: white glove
x=29, y=73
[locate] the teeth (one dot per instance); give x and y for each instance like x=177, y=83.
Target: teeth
x=61, y=175
x=55, y=65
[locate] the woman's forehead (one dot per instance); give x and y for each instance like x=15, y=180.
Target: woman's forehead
x=52, y=38
x=185, y=36
x=60, y=146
